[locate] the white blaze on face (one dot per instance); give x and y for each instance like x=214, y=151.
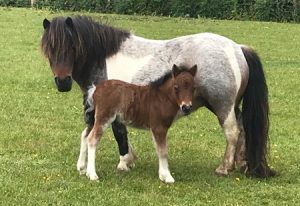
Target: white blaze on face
x=124, y=67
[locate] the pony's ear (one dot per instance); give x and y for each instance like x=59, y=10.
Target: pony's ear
x=69, y=22
x=175, y=70
x=193, y=70
x=46, y=23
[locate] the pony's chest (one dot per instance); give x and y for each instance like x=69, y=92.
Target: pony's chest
x=124, y=67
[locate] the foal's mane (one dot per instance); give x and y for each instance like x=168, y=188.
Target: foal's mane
x=86, y=37
x=161, y=80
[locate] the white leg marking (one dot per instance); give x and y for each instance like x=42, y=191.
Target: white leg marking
x=127, y=161
x=231, y=131
x=81, y=163
x=163, y=171
x=91, y=170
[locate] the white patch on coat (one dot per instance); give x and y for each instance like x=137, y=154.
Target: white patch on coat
x=123, y=67
x=230, y=52
x=90, y=99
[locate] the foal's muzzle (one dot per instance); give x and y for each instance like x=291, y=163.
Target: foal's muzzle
x=63, y=85
x=186, y=109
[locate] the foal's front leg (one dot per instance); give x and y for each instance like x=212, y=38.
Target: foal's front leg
x=159, y=135
x=81, y=163
x=92, y=142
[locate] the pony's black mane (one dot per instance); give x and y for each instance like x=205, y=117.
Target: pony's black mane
x=161, y=80
x=88, y=37
x=90, y=43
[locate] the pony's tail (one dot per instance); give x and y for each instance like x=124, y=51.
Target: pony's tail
x=255, y=114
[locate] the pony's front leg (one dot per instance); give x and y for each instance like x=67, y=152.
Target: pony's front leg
x=127, y=156
x=231, y=132
x=160, y=138
x=92, y=142
x=81, y=163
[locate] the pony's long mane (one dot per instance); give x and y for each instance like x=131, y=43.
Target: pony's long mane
x=88, y=38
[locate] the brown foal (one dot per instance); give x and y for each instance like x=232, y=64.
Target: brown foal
x=153, y=107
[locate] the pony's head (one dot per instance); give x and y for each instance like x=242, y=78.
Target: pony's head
x=58, y=45
x=183, y=85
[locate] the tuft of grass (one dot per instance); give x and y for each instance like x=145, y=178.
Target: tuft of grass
x=40, y=127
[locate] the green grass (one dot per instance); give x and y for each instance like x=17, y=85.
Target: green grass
x=40, y=127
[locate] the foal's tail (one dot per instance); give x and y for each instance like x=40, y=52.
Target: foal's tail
x=255, y=114
x=89, y=108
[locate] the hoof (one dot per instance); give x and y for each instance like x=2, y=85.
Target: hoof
x=222, y=172
x=81, y=169
x=122, y=166
x=126, y=162
x=92, y=176
x=166, y=178
x=82, y=172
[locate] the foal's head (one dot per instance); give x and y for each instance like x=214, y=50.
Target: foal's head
x=183, y=85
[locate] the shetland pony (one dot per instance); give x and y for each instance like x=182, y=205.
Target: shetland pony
x=89, y=52
x=151, y=107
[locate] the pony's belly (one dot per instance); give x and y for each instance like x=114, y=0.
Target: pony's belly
x=124, y=67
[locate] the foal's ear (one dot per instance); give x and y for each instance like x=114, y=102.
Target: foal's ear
x=46, y=23
x=175, y=70
x=69, y=22
x=193, y=70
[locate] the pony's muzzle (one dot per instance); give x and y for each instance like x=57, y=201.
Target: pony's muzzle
x=186, y=108
x=63, y=85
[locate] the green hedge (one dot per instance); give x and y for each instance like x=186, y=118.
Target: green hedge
x=15, y=3
x=266, y=10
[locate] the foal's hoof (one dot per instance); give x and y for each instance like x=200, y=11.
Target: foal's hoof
x=81, y=169
x=166, y=178
x=92, y=176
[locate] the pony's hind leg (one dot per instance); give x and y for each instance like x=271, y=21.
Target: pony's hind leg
x=81, y=163
x=160, y=138
x=240, y=153
x=127, y=156
x=92, y=142
x=231, y=131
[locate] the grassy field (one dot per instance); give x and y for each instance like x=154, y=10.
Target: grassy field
x=40, y=128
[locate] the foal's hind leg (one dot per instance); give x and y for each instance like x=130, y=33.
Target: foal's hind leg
x=159, y=135
x=127, y=157
x=81, y=163
x=231, y=132
x=240, y=153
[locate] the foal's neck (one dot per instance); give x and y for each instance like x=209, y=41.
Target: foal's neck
x=166, y=90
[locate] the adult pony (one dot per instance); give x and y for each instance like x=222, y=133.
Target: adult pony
x=153, y=107
x=228, y=73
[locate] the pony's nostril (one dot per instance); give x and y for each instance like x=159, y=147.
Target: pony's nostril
x=63, y=85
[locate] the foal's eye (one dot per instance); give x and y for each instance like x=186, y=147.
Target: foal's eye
x=176, y=87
